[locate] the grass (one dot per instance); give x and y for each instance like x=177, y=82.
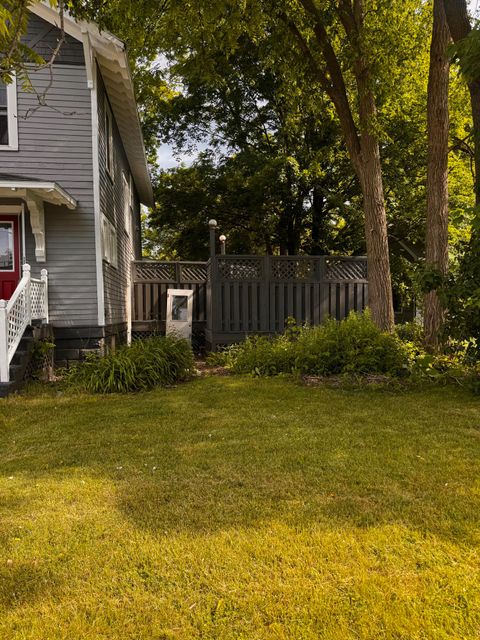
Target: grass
x=240, y=508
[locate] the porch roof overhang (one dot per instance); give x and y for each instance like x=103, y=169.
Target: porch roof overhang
x=36, y=189
x=35, y=193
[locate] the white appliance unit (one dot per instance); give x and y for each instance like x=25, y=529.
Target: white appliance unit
x=179, y=313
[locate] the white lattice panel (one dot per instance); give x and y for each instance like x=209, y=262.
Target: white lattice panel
x=38, y=300
x=18, y=321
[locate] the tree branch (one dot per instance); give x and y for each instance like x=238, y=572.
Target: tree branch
x=339, y=91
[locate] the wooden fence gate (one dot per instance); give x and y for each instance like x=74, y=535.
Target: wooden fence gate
x=239, y=295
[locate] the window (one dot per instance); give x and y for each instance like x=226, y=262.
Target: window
x=132, y=194
x=108, y=139
x=6, y=247
x=180, y=308
x=109, y=242
x=8, y=116
x=127, y=205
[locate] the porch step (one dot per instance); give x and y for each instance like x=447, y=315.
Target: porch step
x=19, y=364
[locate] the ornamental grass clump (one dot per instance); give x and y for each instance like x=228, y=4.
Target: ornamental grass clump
x=143, y=365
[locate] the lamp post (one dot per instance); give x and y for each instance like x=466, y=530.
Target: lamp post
x=223, y=240
x=212, y=226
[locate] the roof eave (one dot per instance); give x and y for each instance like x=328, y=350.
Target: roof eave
x=108, y=47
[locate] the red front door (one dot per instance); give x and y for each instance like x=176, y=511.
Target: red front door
x=9, y=256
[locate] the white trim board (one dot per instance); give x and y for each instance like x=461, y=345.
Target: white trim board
x=12, y=115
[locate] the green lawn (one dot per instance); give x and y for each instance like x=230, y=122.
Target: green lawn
x=240, y=508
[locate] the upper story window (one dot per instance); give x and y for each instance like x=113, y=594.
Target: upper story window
x=109, y=242
x=127, y=204
x=8, y=116
x=108, y=139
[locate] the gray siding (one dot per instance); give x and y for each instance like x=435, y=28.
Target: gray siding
x=55, y=144
x=116, y=279
x=43, y=38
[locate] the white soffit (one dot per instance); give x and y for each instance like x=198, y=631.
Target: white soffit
x=112, y=59
x=47, y=191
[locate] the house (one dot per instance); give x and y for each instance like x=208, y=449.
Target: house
x=73, y=174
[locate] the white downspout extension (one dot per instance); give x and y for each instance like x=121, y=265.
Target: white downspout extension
x=44, y=279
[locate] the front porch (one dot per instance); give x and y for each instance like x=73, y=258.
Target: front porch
x=27, y=306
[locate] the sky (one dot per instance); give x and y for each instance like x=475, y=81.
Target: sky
x=167, y=158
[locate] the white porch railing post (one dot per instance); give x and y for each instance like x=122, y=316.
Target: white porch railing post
x=28, y=293
x=44, y=278
x=4, y=364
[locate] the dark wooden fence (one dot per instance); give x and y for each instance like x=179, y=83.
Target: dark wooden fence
x=256, y=294
x=238, y=295
x=151, y=281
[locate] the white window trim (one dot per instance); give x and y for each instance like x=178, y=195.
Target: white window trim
x=109, y=242
x=12, y=117
x=108, y=123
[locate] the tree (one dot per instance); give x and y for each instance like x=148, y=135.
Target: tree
x=464, y=293
x=14, y=54
x=458, y=21
x=436, y=255
x=335, y=51
x=361, y=140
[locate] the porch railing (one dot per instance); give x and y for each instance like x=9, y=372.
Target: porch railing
x=28, y=303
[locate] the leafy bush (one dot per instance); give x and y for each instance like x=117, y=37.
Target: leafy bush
x=352, y=346
x=139, y=367
x=262, y=356
x=410, y=332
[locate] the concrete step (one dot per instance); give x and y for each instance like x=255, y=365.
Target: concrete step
x=19, y=364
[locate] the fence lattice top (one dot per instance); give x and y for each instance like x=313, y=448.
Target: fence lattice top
x=170, y=272
x=244, y=268
x=292, y=268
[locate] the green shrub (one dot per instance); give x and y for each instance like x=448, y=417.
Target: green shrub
x=139, y=367
x=262, y=356
x=410, y=332
x=352, y=346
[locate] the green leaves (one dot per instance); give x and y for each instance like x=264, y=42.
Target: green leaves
x=139, y=367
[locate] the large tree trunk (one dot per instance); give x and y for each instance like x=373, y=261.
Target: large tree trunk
x=459, y=25
x=436, y=252
x=380, y=298
x=369, y=170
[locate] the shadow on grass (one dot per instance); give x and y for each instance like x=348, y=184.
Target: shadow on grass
x=23, y=583
x=200, y=460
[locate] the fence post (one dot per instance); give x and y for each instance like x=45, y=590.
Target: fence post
x=4, y=365
x=178, y=272
x=44, y=279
